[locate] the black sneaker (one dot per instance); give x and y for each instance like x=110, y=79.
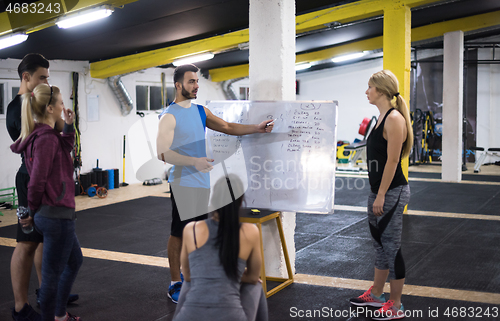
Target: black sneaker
x=26, y=314
x=72, y=297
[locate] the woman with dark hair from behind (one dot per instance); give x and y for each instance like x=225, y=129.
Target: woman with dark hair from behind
x=214, y=255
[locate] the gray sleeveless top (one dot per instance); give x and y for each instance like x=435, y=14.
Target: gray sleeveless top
x=210, y=285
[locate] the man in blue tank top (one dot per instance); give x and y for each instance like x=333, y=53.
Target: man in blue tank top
x=181, y=142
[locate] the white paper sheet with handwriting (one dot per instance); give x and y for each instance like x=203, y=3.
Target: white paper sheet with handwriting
x=290, y=169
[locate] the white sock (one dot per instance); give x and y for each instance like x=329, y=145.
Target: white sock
x=173, y=282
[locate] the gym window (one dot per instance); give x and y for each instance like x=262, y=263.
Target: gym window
x=3, y=104
x=148, y=97
x=8, y=90
x=244, y=93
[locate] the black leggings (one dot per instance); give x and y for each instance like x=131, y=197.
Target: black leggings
x=386, y=231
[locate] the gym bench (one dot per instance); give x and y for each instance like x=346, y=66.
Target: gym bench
x=484, y=153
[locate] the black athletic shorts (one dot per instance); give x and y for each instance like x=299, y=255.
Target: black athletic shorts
x=22, y=180
x=199, y=204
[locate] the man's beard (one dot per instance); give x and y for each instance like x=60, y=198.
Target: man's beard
x=186, y=94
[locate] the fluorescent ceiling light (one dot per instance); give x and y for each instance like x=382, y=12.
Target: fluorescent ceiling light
x=82, y=17
x=302, y=66
x=193, y=59
x=348, y=57
x=12, y=40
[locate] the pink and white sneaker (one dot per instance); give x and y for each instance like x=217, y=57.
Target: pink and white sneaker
x=389, y=312
x=368, y=299
x=70, y=317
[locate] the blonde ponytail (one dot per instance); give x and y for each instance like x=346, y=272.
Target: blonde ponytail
x=387, y=83
x=27, y=121
x=403, y=109
x=34, y=107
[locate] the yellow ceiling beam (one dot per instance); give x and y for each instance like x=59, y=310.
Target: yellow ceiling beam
x=123, y=65
x=226, y=73
x=82, y=4
x=434, y=30
x=368, y=44
x=343, y=14
x=349, y=12
x=314, y=20
x=471, y=23
x=221, y=74
x=47, y=12
x=5, y=26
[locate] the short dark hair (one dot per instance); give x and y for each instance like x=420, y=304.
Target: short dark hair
x=181, y=70
x=30, y=63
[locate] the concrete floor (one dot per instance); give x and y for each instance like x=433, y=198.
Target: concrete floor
x=450, y=244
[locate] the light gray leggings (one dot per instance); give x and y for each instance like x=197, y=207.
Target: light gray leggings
x=386, y=231
x=252, y=296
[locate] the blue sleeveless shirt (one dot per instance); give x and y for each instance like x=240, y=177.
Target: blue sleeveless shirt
x=189, y=140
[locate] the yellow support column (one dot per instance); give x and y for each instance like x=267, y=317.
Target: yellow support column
x=397, y=50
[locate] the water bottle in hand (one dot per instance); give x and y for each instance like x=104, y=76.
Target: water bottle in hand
x=22, y=213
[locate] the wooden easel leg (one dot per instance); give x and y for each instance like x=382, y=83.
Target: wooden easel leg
x=263, y=265
x=285, y=250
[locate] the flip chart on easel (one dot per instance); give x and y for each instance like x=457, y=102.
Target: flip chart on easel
x=290, y=169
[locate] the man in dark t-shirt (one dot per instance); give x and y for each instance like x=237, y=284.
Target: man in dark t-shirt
x=33, y=70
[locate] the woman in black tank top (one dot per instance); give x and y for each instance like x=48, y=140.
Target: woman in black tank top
x=388, y=143
x=392, y=138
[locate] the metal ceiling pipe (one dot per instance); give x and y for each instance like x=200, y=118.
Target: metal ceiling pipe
x=227, y=90
x=121, y=93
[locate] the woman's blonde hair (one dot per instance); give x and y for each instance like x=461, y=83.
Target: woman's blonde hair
x=386, y=83
x=34, y=107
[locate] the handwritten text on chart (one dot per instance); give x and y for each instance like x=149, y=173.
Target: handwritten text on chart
x=306, y=131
